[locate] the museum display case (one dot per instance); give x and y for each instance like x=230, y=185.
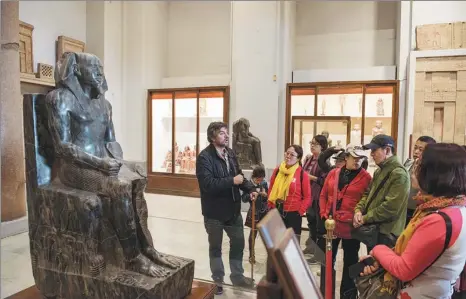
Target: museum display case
x=304, y=128
x=177, y=131
x=369, y=108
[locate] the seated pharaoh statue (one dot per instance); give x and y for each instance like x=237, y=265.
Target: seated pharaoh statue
x=247, y=147
x=88, y=229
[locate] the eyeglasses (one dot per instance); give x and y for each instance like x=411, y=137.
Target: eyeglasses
x=290, y=154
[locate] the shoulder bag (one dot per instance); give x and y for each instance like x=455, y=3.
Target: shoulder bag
x=369, y=233
x=369, y=287
x=343, y=219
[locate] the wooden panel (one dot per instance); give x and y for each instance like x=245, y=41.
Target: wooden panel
x=448, y=122
x=68, y=44
x=461, y=80
x=26, y=54
x=443, y=87
x=459, y=35
x=181, y=185
x=441, y=64
x=460, y=120
x=434, y=36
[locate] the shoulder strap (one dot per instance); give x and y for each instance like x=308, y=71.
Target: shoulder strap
x=381, y=184
x=447, y=237
x=335, y=192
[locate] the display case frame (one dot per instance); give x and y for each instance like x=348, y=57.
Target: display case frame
x=347, y=87
x=317, y=119
x=173, y=183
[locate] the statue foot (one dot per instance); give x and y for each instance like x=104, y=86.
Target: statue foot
x=160, y=258
x=143, y=265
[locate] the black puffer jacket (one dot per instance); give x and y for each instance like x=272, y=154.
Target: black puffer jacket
x=220, y=198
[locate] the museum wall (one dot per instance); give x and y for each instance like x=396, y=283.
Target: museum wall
x=433, y=12
x=345, y=34
x=51, y=19
x=198, y=38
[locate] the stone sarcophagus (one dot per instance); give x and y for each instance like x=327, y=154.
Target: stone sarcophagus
x=87, y=213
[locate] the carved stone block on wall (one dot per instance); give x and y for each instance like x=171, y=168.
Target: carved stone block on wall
x=440, y=99
x=68, y=44
x=26, y=62
x=441, y=36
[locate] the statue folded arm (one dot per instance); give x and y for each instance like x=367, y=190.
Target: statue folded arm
x=59, y=119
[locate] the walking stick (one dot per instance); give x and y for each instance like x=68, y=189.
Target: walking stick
x=330, y=227
x=252, y=260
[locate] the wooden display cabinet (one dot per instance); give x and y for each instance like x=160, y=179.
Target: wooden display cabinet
x=370, y=106
x=177, y=132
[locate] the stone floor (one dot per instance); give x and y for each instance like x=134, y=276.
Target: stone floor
x=177, y=228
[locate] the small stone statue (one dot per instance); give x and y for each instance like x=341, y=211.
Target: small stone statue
x=89, y=167
x=329, y=140
x=380, y=107
x=377, y=130
x=246, y=146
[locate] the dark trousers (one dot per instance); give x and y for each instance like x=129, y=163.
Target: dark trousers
x=350, y=257
x=234, y=230
x=311, y=216
x=293, y=220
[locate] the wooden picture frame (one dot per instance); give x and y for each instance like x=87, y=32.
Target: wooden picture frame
x=68, y=44
x=271, y=229
x=293, y=272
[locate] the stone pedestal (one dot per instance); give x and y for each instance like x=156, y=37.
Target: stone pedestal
x=11, y=116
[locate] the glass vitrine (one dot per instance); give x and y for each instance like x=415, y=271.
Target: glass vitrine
x=304, y=128
x=177, y=131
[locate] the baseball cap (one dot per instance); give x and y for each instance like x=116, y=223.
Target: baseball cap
x=356, y=151
x=340, y=156
x=380, y=141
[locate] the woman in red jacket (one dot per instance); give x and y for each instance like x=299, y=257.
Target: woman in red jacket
x=290, y=191
x=342, y=190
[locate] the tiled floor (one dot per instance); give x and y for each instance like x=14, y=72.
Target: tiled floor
x=177, y=228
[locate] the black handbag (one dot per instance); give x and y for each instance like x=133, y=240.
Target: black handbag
x=369, y=233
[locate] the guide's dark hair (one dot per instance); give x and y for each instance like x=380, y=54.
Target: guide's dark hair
x=258, y=172
x=427, y=139
x=442, y=170
x=322, y=140
x=213, y=130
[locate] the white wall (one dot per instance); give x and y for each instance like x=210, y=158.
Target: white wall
x=198, y=38
x=345, y=34
x=50, y=20
x=144, y=66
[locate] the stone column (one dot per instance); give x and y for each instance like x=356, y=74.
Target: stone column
x=13, y=189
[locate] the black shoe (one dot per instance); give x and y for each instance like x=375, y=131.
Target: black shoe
x=219, y=290
x=307, y=251
x=312, y=261
x=244, y=282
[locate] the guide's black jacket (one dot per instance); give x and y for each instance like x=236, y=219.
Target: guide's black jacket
x=220, y=198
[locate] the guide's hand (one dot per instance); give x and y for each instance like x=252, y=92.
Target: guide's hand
x=238, y=180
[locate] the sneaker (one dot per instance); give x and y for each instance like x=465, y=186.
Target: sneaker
x=219, y=290
x=244, y=282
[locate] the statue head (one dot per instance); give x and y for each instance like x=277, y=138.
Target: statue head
x=79, y=72
x=378, y=124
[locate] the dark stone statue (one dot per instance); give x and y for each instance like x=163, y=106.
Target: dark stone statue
x=246, y=146
x=87, y=213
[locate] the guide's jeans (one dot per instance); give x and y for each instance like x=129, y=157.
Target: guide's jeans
x=235, y=231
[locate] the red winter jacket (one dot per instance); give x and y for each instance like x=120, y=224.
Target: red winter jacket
x=297, y=200
x=351, y=193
